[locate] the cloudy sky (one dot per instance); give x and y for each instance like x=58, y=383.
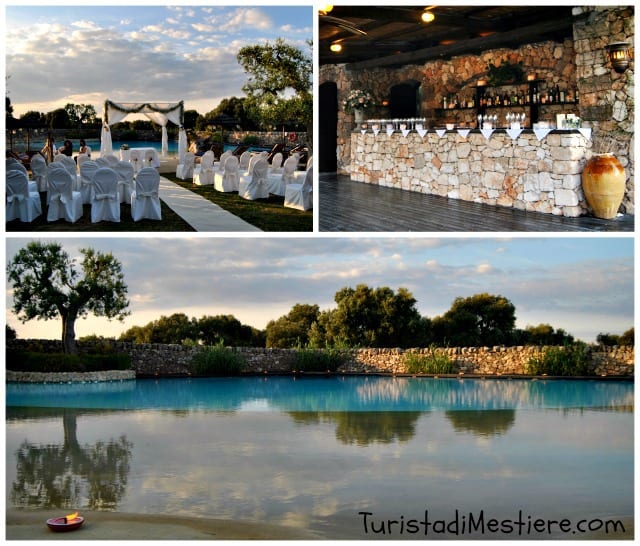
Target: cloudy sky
x=584, y=285
x=85, y=54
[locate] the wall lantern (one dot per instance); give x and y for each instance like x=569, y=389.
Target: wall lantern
x=335, y=47
x=619, y=54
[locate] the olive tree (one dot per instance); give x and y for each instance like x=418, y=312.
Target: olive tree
x=47, y=284
x=279, y=88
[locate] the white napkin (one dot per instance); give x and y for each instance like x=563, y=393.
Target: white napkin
x=463, y=132
x=405, y=132
x=389, y=132
x=487, y=132
x=422, y=132
x=586, y=132
x=514, y=133
x=542, y=133
x=441, y=132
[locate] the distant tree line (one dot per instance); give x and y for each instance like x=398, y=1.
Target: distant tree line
x=368, y=317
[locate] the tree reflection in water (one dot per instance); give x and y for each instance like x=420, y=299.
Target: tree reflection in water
x=67, y=475
x=482, y=423
x=365, y=427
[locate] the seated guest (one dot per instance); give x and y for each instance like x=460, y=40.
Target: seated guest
x=66, y=149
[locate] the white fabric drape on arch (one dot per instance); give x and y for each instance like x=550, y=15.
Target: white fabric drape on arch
x=158, y=112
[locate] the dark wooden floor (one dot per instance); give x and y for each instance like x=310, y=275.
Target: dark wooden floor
x=346, y=205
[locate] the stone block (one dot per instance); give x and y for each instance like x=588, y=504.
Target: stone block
x=566, y=198
x=567, y=167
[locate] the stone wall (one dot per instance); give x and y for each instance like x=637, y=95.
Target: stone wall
x=606, y=97
x=526, y=174
x=174, y=360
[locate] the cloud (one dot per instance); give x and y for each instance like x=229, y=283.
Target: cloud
x=180, y=53
x=260, y=279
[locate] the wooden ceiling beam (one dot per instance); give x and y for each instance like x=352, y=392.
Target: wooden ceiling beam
x=516, y=35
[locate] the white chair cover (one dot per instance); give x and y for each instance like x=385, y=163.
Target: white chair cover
x=299, y=176
x=244, y=161
x=21, y=203
x=218, y=166
x=105, y=203
x=10, y=162
x=228, y=179
x=126, y=183
x=63, y=201
x=185, y=169
x=112, y=160
x=276, y=163
x=102, y=162
x=256, y=185
x=57, y=170
x=300, y=196
x=87, y=172
x=150, y=158
x=137, y=160
x=39, y=171
x=204, y=177
x=18, y=166
x=145, y=202
x=289, y=169
x=82, y=158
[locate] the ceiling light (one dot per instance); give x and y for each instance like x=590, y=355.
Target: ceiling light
x=326, y=9
x=335, y=47
x=427, y=16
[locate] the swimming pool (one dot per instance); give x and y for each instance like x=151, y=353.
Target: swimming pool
x=339, y=456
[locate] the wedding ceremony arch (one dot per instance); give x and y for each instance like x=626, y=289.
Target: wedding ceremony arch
x=158, y=112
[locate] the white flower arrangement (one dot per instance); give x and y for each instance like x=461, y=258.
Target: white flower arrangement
x=358, y=99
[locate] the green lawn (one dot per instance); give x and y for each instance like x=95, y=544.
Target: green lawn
x=266, y=214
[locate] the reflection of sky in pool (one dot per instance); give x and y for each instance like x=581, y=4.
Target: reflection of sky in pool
x=271, y=451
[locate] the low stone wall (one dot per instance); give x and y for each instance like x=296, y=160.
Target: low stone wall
x=70, y=377
x=618, y=361
x=525, y=173
x=175, y=360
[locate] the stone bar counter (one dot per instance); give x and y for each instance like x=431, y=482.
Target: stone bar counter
x=526, y=173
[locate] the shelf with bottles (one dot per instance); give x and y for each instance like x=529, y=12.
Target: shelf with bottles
x=525, y=94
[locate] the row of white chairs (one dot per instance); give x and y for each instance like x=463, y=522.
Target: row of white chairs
x=101, y=189
x=252, y=176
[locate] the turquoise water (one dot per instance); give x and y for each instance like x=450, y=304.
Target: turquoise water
x=320, y=454
x=94, y=144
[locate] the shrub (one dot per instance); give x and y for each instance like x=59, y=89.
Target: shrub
x=569, y=360
x=433, y=362
x=319, y=360
x=25, y=361
x=250, y=140
x=217, y=360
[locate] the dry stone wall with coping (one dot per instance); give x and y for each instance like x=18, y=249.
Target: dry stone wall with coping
x=174, y=360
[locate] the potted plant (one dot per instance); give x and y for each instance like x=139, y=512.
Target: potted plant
x=358, y=101
x=505, y=73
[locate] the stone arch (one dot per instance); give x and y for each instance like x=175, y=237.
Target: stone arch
x=405, y=99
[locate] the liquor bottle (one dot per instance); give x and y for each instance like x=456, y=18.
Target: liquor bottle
x=562, y=96
x=557, y=94
x=444, y=102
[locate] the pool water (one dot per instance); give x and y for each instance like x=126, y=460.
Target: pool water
x=336, y=456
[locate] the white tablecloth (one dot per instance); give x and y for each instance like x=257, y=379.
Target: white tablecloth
x=125, y=155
